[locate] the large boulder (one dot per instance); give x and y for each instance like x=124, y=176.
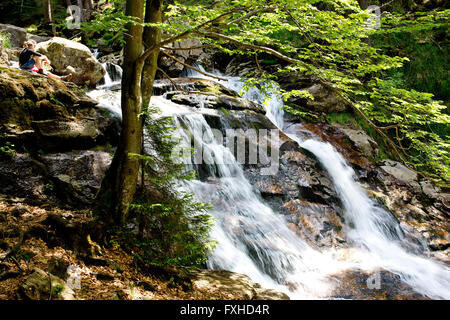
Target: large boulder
x=173, y=68
x=41, y=285
x=73, y=57
x=3, y=54
x=233, y=286
x=45, y=114
x=361, y=140
x=17, y=35
x=77, y=175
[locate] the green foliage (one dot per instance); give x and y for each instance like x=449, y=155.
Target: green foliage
x=57, y=289
x=428, y=50
x=5, y=38
x=107, y=27
x=329, y=40
x=8, y=150
x=173, y=226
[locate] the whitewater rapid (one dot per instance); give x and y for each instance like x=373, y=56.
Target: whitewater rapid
x=255, y=240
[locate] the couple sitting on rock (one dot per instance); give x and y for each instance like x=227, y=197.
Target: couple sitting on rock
x=33, y=61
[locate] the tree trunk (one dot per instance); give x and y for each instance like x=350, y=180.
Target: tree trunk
x=363, y=4
x=47, y=5
x=48, y=15
x=80, y=4
x=88, y=6
x=152, y=36
x=119, y=186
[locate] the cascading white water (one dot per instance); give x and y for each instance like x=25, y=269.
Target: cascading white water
x=255, y=240
x=374, y=231
x=373, y=228
x=252, y=238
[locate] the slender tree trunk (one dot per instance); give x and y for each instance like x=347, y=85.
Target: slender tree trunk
x=152, y=36
x=47, y=5
x=363, y=4
x=119, y=186
x=88, y=6
x=80, y=4
x=48, y=14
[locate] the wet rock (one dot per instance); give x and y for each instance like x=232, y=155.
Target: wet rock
x=318, y=224
x=233, y=286
x=213, y=101
x=376, y=285
x=64, y=53
x=190, y=84
x=41, y=285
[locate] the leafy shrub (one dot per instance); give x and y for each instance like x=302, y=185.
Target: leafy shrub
x=171, y=227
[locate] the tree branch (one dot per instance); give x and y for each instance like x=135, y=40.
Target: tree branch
x=191, y=48
x=181, y=89
x=191, y=67
x=323, y=81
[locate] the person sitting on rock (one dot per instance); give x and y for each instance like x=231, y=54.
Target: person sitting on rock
x=33, y=61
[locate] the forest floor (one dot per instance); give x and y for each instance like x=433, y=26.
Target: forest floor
x=27, y=243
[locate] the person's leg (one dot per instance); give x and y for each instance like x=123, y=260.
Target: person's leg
x=39, y=63
x=53, y=76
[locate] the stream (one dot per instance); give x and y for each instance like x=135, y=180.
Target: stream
x=255, y=240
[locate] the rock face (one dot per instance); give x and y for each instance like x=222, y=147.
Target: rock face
x=39, y=112
x=233, y=286
x=173, y=68
x=324, y=99
x=421, y=208
x=361, y=141
x=41, y=115
x=378, y=285
x=3, y=55
x=77, y=174
x=70, y=56
x=43, y=286
x=17, y=35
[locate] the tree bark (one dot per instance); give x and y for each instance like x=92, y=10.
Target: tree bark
x=119, y=186
x=88, y=6
x=152, y=36
x=48, y=14
x=363, y=4
x=47, y=5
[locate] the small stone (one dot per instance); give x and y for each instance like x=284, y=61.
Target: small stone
x=40, y=285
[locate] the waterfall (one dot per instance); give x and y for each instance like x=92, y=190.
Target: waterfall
x=256, y=241
x=373, y=228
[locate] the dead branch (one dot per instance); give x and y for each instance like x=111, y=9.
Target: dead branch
x=191, y=48
x=191, y=67
x=181, y=89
